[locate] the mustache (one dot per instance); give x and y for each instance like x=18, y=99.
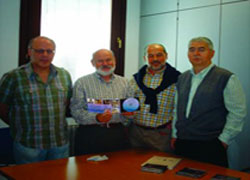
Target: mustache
x=105, y=73
x=156, y=61
x=105, y=66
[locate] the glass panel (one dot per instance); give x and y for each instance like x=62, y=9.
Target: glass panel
x=235, y=56
x=226, y=1
x=79, y=28
x=194, y=23
x=9, y=35
x=197, y=3
x=157, y=6
x=159, y=29
x=235, y=39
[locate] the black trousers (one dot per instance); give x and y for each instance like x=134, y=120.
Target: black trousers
x=211, y=151
x=98, y=139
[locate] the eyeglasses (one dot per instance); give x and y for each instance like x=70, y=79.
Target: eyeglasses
x=42, y=51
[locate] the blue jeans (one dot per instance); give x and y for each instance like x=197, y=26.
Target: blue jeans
x=25, y=155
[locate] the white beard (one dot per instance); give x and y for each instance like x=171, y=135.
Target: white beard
x=105, y=73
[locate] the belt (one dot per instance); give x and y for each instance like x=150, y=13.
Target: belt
x=166, y=125
x=111, y=125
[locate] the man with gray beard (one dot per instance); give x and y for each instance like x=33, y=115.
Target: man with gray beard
x=99, y=131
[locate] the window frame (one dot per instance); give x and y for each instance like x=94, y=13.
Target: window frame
x=30, y=24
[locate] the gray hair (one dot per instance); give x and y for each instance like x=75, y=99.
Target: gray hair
x=202, y=39
x=146, y=48
x=93, y=55
x=43, y=37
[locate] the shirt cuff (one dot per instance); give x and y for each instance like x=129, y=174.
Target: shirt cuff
x=225, y=138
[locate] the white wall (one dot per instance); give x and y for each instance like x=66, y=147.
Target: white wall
x=132, y=37
x=9, y=37
x=226, y=22
x=235, y=56
x=9, y=34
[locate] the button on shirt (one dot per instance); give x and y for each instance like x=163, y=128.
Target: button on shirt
x=37, y=110
x=234, y=99
x=93, y=86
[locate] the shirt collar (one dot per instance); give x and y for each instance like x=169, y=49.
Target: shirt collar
x=203, y=73
x=152, y=73
x=32, y=74
x=100, y=77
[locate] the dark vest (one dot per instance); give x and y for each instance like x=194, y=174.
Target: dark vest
x=208, y=113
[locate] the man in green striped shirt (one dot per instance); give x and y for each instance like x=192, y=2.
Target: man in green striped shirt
x=33, y=101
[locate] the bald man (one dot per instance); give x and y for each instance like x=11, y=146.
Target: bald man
x=154, y=85
x=33, y=101
x=99, y=131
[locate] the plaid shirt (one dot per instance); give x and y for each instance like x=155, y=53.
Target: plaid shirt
x=165, y=100
x=36, y=109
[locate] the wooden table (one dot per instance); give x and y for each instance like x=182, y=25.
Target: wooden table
x=121, y=165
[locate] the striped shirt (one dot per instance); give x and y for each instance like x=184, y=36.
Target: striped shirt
x=165, y=100
x=37, y=109
x=93, y=86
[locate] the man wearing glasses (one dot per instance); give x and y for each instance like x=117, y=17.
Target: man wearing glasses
x=33, y=101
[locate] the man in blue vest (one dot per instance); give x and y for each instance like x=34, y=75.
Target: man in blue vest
x=210, y=107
